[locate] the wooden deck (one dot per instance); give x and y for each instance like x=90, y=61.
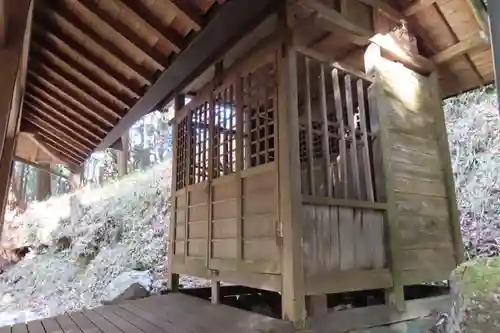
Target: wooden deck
x=172, y=313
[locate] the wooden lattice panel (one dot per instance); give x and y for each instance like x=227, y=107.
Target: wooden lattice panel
x=199, y=146
x=224, y=131
x=259, y=101
x=180, y=165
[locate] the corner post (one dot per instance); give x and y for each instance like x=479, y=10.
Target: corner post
x=173, y=278
x=13, y=59
x=444, y=149
x=290, y=213
x=377, y=104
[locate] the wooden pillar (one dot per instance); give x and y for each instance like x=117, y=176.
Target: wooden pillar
x=43, y=188
x=173, y=279
x=123, y=155
x=373, y=58
x=75, y=180
x=293, y=296
x=13, y=60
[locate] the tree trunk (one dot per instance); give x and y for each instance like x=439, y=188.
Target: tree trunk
x=43, y=184
x=123, y=156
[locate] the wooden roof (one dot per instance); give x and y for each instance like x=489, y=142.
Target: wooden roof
x=91, y=60
x=96, y=66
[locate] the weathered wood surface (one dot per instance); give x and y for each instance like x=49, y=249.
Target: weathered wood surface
x=341, y=239
x=419, y=168
x=172, y=313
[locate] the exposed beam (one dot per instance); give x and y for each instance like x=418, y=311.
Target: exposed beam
x=3, y=24
x=46, y=99
x=59, y=120
x=417, y=6
x=330, y=19
x=63, y=16
x=125, y=30
x=70, y=73
x=92, y=62
x=40, y=167
x=89, y=98
x=84, y=148
x=480, y=14
x=229, y=24
x=68, y=100
x=471, y=43
x=187, y=13
x=169, y=35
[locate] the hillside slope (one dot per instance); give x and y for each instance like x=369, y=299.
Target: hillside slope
x=118, y=228
x=474, y=136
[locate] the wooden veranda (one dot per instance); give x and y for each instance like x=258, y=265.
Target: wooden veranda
x=173, y=313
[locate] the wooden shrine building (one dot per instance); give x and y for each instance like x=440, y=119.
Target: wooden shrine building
x=312, y=159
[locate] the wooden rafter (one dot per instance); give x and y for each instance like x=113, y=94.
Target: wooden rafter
x=471, y=43
x=457, y=40
x=187, y=13
x=31, y=101
x=169, y=35
x=47, y=127
x=65, y=126
x=331, y=19
x=417, y=6
x=46, y=99
x=58, y=123
x=69, y=100
x=71, y=48
x=55, y=144
x=89, y=98
x=126, y=31
x=232, y=21
x=75, y=74
x=75, y=23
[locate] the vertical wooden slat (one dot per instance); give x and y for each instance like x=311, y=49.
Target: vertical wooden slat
x=326, y=134
x=211, y=137
x=342, y=165
x=309, y=133
x=187, y=168
x=364, y=138
x=353, y=144
x=173, y=281
x=239, y=166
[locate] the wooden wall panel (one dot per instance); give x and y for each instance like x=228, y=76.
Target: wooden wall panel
x=419, y=171
x=341, y=239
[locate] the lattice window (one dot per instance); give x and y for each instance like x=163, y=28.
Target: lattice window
x=259, y=108
x=182, y=139
x=224, y=136
x=199, y=149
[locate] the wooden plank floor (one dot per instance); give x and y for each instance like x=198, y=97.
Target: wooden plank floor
x=172, y=313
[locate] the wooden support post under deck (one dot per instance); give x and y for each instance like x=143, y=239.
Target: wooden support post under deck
x=13, y=60
x=293, y=295
x=173, y=279
x=75, y=180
